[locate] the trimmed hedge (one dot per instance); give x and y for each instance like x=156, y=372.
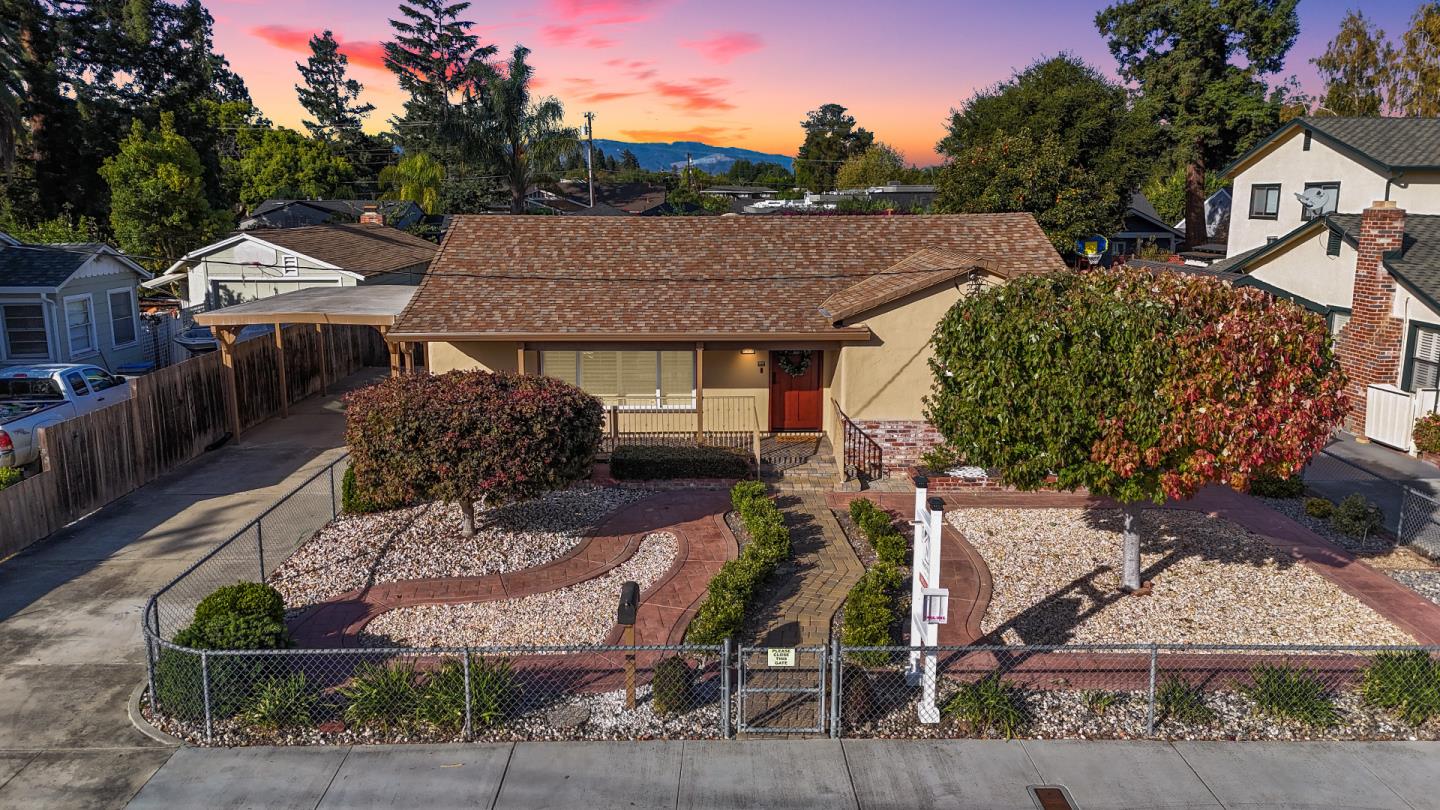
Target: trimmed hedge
x=870, y=612
x=243, y=616
x=639, y=462
x=1273, y=486
x=890, y=546
x=737, y=583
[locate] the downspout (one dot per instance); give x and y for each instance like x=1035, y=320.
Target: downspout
x=1389, y=181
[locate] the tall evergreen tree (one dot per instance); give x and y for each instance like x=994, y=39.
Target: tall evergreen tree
x=1416, y=89
x=1357, y=68
x=441, y=65
x=1180, y=52
x=831, y=138
x=328, y=94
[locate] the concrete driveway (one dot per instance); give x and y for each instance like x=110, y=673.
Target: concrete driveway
x=70, y=651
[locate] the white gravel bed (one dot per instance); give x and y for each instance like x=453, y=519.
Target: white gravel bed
x=1056, y=581
x=426, y=541
x=580, y=614
x=1063, y=714
x=1425, y=583
x=606, y=718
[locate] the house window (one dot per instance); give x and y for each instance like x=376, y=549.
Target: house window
x=1265, y=201
x=122, y=317
x=638, y=378
x=1423, y=364
x=1330, y=200
x=80, y=324
x=24, y=331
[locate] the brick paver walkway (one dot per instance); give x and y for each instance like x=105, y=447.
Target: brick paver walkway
x=696, y=517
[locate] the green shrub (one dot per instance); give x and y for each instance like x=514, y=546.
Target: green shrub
x=385, y=696
x=1319, y=508
x=1407, y=683
x=1427, y=433
x=286, y=702
x=1357, y=516
x=357, y=500
x=442, y=698
x=1290, y=693
x=1179, y=701
x=243, y=616
x=727, y=598
x=879, y=529
x=989, y=705
x=179, y=683
x=645, y=462
x=671, y=685
x=1273, y=486
x=9, y=476
x=870, y=613
x=1098, y=701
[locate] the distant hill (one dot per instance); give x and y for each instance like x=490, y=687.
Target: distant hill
x=666, y=156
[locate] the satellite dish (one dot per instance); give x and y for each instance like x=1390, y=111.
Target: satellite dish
x=1313, y=199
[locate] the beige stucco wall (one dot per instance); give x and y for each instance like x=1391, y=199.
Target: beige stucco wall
x=888, y=377
x=1292, y=167
x=1305, y=270
x=488, y=356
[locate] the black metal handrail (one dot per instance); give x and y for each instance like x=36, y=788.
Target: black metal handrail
x=864, y=457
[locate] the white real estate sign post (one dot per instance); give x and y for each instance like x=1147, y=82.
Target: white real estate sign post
x=929, y=603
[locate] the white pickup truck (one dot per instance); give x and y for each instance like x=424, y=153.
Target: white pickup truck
x=32, y=397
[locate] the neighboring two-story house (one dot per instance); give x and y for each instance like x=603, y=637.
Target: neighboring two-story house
x=1367, y=255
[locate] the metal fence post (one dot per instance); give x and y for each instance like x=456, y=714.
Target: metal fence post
x=725, y=701
x=465, y=664
x=1150, y=707
x=150, y=668
x=205, y=690
x=334, y=510
x=260, y=545
x=837, y=687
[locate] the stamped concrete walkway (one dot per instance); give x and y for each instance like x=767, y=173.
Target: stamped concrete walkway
x=695, y=517
x=822, y=571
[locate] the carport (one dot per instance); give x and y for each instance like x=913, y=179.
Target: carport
x=375, y=305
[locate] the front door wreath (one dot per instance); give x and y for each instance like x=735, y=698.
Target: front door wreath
x=793, y=363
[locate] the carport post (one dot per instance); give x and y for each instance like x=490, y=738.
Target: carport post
x=324, y=358
x=227, y=335
x=280, y=363
x=699, y=394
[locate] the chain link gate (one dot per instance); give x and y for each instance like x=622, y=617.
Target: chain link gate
x=781, y=690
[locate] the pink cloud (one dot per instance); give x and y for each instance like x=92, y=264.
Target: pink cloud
x=725, y=46
x=604, y=12
x=696, y=95
x=361, y=54
x=569, y=35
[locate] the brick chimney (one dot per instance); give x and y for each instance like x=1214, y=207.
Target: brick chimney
x=371, y=216
x=1371, y=343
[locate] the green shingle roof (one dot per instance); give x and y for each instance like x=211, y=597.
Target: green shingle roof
x=41, y=265
x=1396, y=143
x=1418, y=262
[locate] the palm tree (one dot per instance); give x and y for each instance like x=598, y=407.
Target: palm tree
x=526, y=138
x=416, y=177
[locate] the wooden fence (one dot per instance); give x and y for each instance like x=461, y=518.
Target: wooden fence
x=171, y=417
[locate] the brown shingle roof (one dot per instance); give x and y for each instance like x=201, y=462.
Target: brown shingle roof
x=919, y=271
x=365, y=249
x=629, y=278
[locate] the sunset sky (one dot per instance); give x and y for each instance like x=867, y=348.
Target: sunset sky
x=733, y=73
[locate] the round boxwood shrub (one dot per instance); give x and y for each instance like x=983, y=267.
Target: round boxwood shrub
x=1319, y=508
x=671, y=685
x=1357, y=516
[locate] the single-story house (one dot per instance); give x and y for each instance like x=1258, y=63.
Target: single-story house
x=70, y=303
x=298, y=213
x=1142, y=226
x=249, y=265
x=810, y=322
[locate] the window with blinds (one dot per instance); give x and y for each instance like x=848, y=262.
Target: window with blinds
x=1424, y=359
x=638, y=378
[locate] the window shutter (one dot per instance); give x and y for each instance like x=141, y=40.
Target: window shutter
x=1427, y=345
x=1332, y=247
x=677, y=376
x=600, y=372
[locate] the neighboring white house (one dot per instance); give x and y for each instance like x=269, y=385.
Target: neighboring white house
x=1368, y=260
x=258, y=264
x=70, y=303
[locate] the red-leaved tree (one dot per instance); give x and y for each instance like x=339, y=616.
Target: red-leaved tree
x=1135, y=385
x=470, y=436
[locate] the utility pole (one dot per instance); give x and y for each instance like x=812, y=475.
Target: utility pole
x=590, y=154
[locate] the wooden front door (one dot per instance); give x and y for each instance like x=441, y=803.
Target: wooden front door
x=795, y=401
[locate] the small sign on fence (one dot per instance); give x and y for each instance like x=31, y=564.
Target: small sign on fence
x=780, y=656
x=937, y=605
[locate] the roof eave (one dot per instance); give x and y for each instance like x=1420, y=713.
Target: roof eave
x=847, y=334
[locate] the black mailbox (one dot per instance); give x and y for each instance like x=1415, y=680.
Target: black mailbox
x=629, y=601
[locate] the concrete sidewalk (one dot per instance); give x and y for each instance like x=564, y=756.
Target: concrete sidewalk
x=827, y=774
x=70, y=650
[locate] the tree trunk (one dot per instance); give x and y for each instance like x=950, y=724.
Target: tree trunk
x=467, y=517
x=1130, y=577
x=1195, y=225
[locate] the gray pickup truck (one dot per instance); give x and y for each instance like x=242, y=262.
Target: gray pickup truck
x=32, y=397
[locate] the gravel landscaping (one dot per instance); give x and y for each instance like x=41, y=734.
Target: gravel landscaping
x=426, y=541
x=580, y=614
x=1065, y=714
x=1294, y=508
x=1056, y=581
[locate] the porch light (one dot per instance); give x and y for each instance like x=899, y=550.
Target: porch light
x=747, y=351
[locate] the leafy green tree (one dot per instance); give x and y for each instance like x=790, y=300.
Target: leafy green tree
x=63, y=228
x=288, y=165
x=12, y=83
x=1357, y=68
x=1166, y=191
x=1021, y=171
x=528, y=137
x=1416, y=87
x=831, y=138
x=1132, y=385
x=418, y=178
x=1182, y=54
x=876, y=166
x=158, y=207
x=329, y=94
